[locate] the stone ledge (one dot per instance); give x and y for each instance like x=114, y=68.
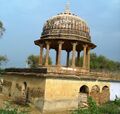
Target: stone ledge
x=62, y=72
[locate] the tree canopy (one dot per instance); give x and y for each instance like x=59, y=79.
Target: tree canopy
x=103, y=63
x=2, y=29
x=3, y=59
x=99, y=62
x=33, y=61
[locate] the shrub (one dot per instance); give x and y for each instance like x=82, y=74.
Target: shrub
x=9, y=109
x=109, y=108
x=92, y=109
x=117, y=101
x=112, y=107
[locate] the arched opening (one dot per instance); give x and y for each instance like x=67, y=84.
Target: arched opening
x=105, y=94
x=1, y=85
x=95, y=88
x=24, y=88
x=25, y=92
x=105, y=88
x=95, y=93
x=22, y=93
x=84, y=89
x=25, y=85
x=83, y=95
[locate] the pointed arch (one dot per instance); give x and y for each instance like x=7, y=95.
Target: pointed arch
x=105, y=88
x=84, y=89
x=95, y=88
x=105, y=94
x=95, y=93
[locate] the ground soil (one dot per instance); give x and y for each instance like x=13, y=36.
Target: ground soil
x=32, y=109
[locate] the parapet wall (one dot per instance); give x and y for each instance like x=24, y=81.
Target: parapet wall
x=51, y=91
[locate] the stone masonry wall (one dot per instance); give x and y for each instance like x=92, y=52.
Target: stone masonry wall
x=61, y=94
x=14, y=86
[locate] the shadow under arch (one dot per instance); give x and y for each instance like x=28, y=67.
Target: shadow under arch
x=1, y=85
x=25, y=85
x=83, y=96
x=105, y=88
x=84, y=89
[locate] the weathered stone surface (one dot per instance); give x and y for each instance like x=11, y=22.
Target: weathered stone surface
x=33, y=92
x=64, y=89
x=51, y=92
x=60, y=105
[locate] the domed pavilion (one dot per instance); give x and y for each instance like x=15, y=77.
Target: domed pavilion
x=66, y=31
x=54, y=88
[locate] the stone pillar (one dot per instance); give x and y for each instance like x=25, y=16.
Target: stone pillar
x=47, y=53
x=68, y=56
x=56, y=56
x=88, y=58
x=73, y=54
x=84, y=56
x=78, y=58
x=59, y=53
x=41, y=54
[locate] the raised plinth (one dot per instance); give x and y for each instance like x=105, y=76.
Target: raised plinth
x=66, y=70
x=50, y=69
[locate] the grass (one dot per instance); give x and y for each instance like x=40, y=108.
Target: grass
x=12, y=109
x=112, y=107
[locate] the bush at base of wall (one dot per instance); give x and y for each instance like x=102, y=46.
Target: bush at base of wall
x=112, y=107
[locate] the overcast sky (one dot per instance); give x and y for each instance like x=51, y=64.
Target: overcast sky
x=24, y=19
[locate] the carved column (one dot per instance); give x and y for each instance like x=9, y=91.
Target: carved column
x=88, y=58
x=73, y=54
x=84, y=56
x=78, y=58
x=59, y=53
x=41, y=54
x=47, y=53
x=68, y=56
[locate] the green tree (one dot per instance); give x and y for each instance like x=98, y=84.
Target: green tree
x=33, y=61
x=3, y=59
x=49, y=60
x=2, y=29
x=102, y=63
x=99, y=62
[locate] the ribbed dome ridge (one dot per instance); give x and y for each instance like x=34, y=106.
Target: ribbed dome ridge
x=66, y=24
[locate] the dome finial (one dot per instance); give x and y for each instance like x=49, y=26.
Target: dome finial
x=67, y=7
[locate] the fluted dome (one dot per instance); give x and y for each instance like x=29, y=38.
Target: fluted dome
x=66, y=26
x=68, y=32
